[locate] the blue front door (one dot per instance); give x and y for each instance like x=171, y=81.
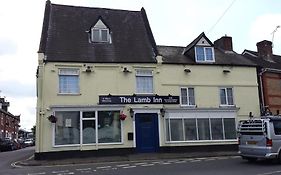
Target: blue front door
x=147, y=136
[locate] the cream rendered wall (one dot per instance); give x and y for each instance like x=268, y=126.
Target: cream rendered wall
x=110, y=78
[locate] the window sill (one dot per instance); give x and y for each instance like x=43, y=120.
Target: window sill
x=200, y=141
x=188, y=106
x=227, y=106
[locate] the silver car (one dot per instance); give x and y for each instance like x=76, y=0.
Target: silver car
x=260, y=138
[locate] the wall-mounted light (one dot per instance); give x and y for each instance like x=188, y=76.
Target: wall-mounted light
x=186, y=70
x=88, y=69
x=226, y=71
x=132, y=112
x=162, y=112
x=250, y=115
x=126, y=70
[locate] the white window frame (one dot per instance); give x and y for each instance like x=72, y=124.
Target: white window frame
x=81, y=129
x=205, y=55
x=108, y=40
x=182, y=117
x=140, y=73
x=226, y=96
x=75, y=72
x=187, y=95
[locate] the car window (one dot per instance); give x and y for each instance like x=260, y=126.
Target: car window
x=277, y=127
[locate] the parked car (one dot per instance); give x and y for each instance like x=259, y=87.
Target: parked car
x=8, y=145
x=260, y=138
x=29, y=142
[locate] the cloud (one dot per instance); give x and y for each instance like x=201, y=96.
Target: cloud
x=17, y=89
x=7, y=46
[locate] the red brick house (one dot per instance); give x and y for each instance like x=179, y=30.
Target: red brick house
x=9, y=123
x=269, y=75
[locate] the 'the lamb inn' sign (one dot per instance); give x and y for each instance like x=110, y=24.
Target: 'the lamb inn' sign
x=127, y=99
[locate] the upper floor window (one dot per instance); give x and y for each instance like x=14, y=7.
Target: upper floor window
x=187, y=97
x=226, y=96
x=68, y=81
x=144, y=81
x=100, y=33
x=204, y=54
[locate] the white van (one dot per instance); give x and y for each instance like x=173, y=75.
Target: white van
x=260, y=138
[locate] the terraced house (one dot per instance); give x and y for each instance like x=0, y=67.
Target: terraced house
x=104, y=87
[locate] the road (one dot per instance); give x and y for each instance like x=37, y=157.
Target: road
x=228, y=165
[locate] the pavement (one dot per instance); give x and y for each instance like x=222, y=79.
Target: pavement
x=125, y=158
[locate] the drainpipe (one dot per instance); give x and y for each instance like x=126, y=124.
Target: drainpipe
x=264, y=70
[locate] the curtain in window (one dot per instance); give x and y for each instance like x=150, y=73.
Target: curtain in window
x=209, y=54
x=200, y=53
x=68, y=84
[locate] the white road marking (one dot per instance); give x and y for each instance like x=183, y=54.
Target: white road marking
x=181, y=161
x=141, y=163
x=103, y=167
x=83, y=169
x=36, y=173
x=129, y=167
x=269, y=173
x=195, y=161
x=122, y=165
x=64, y=171
x=147, y=165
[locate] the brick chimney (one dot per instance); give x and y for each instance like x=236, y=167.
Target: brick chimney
x=265, y=49
x=224, y=43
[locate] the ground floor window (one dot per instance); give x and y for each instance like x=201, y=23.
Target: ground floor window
x=192, y=129
x=94, y=127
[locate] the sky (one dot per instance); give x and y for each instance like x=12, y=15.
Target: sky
x=173, y=23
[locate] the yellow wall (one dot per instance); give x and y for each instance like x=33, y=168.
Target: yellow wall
x=110, y=78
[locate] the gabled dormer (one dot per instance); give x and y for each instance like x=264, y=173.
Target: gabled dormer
x=100, y=32
x=201, y=50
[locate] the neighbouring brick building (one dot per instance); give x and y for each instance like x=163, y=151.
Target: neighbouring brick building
x=9, y=123
x=269, y=75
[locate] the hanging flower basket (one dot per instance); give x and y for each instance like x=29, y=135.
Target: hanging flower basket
x=52, y=119
x=122, y=116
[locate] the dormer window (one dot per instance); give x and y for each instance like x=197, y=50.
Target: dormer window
x=204, y=54
x=100, y=33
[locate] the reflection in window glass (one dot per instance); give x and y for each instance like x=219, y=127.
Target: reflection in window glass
x=176, y=130
x=89, y=131
x=277, y=127
x=109, y=127
x=67, y=130
x=167, y=130
x=190, y=129
x=216, y=128
x=229, y=128
x=203, y=129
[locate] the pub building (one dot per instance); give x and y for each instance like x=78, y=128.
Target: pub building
x=105, y=88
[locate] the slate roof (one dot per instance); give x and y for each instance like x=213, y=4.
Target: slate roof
x=65, y=35
x=261, y=62
x=174, y=55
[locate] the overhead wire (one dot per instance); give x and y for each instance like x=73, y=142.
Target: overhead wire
x=223, y=14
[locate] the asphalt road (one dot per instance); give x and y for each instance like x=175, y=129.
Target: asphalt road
x=228, y=165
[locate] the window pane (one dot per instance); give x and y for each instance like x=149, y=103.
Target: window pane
x=90, y=114
x=223, y=96
x=190, y=129
x=176, y=129
x=89, y=131
x=69, y=84
x=209, y=54
x=191, y=96
x=95, y=35
x=184, y=96
x=203, y=129
x=200, y=54
x=229, y=96
x=67, y=130
x=229, y=128
x=167, y=130
x=109, y=127
x=217, y=130
x=277, y=127
x=144, y=84
x=104, y=35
